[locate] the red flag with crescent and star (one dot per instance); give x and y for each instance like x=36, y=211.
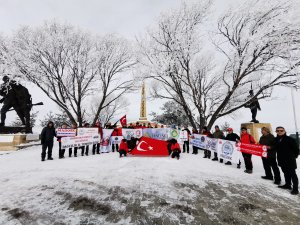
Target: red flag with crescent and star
x=123, y=121
x=150, y=147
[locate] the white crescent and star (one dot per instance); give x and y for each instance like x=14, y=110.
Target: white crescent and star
x=143, y=150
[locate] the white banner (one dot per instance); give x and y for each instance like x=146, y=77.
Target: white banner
x=156, y=133
x=212, y=144
x=82, y=131
x=199, y=141
x=78, y=141
x=128, y=133
x=116, y=139
x=104, y=145
x=183, y=136
x=60, y=132
x=228, y=150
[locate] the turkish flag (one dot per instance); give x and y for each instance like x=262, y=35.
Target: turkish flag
x=150, y=147
x=123, y=121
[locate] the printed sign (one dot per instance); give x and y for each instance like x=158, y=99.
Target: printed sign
x=83, y=131
x=104, y=145
x=156, y=133
x=60, y=132
x=116, y=139
x=78, y=141
x=199, y=141
x=173, y=133
x=228, y=150
x=128, y=133
x=183, y=136
x=253, y=149
x=211, y=144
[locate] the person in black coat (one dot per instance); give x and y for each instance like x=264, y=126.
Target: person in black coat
x=270, y=161
x=47, y=136
x=287, y=152
x=232, y=137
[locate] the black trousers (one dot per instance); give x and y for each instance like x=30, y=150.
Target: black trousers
x=290, y=176
x=248, y=161
x=186, y=145
x=195, y=150
x=175, y=154
x=75, y=151
x=207, y=153
x=115, y=147
x=47, y=145
x=86, y=148
x=269, y=165
x=122, y=152
x=96, y=149
x=61, y=152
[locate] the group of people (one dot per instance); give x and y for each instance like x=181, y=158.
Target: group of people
x=282, y=149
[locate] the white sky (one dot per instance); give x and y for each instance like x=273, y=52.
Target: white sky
x=129, y=18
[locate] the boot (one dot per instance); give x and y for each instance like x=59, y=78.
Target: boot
x=228, y=163
x=286, y=186
x=267, y=177
x=295, y=192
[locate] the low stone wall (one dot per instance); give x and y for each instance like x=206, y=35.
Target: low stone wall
x=10, y=142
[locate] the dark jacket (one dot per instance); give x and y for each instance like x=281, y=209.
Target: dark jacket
x=287, y=152
x=269, y=140
x=48, y=134
x=219, y=134
x=232, y=137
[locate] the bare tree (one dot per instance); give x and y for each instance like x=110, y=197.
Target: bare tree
x=114, y=59
x=71, y=66
x=260, y=48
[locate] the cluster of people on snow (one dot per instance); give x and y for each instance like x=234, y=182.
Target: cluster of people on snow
x=282, y=150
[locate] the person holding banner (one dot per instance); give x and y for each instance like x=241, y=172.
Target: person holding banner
x=195, y=149
x=117, y=132
x=232, y=137
x=96, y=147
x=86, y=148
x=74, y=126
x=287, y=152
x=207, y=133
x=175, y=147
x=123, y=148
x=186, y=142
x=47, y=136
x=270, y=162
x=220, y=135
x=247, y=139
x=61, y=152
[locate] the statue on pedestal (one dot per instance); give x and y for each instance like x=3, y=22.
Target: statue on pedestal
x=17, y=97
x=254, y=106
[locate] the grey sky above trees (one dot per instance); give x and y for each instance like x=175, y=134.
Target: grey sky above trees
x=129, y=18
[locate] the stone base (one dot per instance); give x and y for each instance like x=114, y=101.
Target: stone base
x=255, y=129
x=10, y=142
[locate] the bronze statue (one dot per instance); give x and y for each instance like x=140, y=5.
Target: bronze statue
x=253, y=105
x=17, y=97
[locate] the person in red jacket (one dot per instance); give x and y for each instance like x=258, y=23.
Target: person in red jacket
x=123, y=148
x=96, y=147
x=247, y=139
x=175, y=148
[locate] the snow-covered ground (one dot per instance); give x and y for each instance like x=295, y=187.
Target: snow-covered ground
x=104, y=189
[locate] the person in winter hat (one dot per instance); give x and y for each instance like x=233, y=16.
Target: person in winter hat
x=47, y=136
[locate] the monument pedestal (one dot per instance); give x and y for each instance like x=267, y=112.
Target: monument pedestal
x=10, y=142
x=255, y=129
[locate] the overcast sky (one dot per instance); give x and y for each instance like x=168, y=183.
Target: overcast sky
x=129, y=18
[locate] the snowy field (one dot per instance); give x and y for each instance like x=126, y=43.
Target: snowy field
x=104, y=189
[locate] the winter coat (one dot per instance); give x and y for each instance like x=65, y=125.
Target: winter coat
x=269, y=140
x=232, y=137
x=124, y=146
x=218, y=134
x=48, y=134
x=175, y=147
x=247, y=139
x=207, y=133
x=287, y=151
